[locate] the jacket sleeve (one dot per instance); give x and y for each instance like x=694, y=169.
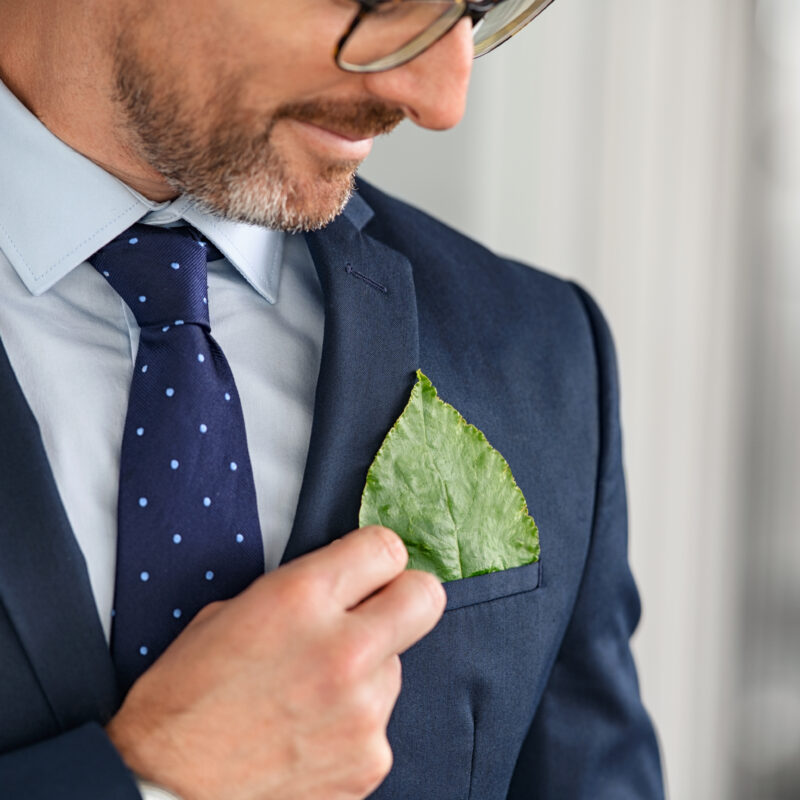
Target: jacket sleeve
x=79, y=765
x=591, y=737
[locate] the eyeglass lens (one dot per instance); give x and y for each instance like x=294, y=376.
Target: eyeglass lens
x=395, y=32
x=503, y=21
x=392, y=29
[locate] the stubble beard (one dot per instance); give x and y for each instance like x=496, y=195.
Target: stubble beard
x=231, y=167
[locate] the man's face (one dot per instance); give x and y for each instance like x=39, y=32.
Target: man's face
x=230, y=101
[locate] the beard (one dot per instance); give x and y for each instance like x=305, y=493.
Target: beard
x=223, y=156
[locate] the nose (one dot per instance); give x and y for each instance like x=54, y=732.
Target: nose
x=431, y=88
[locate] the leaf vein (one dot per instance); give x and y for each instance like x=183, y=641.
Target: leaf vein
x=449, y=503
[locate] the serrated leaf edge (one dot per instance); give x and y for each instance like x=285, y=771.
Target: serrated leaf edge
x=423, y=379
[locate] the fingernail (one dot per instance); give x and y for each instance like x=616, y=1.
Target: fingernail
x=395, y=544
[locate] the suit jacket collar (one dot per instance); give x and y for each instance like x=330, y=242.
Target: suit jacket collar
x=369, y=357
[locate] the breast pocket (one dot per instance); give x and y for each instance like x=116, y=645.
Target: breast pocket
x=468, y=687
x=492, y=585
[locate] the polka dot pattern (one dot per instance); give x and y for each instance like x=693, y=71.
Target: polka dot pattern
x=188, y=523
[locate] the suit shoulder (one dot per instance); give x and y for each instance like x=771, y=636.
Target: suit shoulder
x=458, y=270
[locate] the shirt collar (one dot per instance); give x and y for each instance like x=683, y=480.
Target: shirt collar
x=57, y=208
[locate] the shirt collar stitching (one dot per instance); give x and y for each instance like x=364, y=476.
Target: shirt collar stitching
x=77, y=247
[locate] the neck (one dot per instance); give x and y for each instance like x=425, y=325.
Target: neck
x=56, y=57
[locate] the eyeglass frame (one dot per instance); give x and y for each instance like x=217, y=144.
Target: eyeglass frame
x=475, y=9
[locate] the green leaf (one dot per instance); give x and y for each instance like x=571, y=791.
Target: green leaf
x=450, y=496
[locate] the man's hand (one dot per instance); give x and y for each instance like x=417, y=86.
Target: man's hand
x=285, y=691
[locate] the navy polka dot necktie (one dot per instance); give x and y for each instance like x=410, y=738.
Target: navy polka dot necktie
x=188, y=531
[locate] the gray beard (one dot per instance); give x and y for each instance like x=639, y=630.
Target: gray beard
x=234, y=172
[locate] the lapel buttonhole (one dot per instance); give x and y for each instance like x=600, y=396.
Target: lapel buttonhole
x=374, y=284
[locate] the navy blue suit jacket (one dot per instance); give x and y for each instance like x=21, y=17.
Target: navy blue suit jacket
x=526, y=689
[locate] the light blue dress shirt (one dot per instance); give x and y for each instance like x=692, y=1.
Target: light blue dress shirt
x=72, y=341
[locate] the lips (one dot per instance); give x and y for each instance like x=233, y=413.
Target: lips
x=345, y=134
x=331, y=143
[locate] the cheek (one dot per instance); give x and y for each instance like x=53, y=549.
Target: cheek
x=247, y=57
x=288, y=72
x=289, y=51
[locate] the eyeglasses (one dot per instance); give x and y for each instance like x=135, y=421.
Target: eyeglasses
x=388, y=33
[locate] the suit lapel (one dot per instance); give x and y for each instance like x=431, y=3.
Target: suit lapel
x=370, y=353
x=44, y=583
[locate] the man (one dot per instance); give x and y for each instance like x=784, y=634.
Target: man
x=183, y=259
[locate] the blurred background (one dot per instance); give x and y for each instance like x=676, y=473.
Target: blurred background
x=650, y=150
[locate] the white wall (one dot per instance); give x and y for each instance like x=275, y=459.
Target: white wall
x=606, y=143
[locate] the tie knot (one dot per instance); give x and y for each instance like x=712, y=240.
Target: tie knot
x=161, y=273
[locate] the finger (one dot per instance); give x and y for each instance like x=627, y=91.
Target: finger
x=359, y=563
x=392, y=677
x=402, y=613
x=207, y=612
x=388, y=682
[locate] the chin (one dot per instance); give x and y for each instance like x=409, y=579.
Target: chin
x=280, y=202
